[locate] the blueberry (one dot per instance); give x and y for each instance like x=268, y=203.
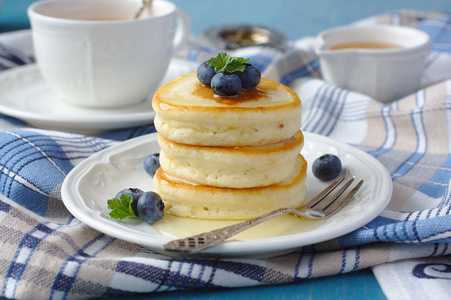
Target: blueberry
x=152, y=163
x=226, y=84
x=250, y=77
x=326, y=167
x=135, y=193
x=150, y=207
x=205, y=73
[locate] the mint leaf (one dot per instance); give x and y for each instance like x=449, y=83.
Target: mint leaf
x=121, y=208
x=236, y=64
x=219, y=62
x=226, y=63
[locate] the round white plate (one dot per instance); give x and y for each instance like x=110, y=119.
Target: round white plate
x=90, y=184
x=26, y=96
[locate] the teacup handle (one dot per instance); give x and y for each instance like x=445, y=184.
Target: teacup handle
x=183, y=29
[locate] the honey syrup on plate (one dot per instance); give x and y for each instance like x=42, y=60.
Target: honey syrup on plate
x=287, y=224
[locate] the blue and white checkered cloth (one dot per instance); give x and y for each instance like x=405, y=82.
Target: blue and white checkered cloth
x=46, y=253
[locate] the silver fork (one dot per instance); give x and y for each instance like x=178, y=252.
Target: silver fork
x=319, y=207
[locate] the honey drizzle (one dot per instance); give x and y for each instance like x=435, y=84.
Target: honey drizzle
x=205, y=92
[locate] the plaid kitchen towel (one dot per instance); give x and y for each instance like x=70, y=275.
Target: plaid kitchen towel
x=46, y=253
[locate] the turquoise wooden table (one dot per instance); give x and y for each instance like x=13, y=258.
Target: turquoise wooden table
x=297, y=19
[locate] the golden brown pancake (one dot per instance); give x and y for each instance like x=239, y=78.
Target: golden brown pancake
x=186, y=199
x=234, y=167
x=189, y=113
x=228, y=157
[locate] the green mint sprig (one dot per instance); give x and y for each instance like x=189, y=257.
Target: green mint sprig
x=223, y=62
x=121, y=208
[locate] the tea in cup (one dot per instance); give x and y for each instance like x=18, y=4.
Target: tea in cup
x=385, y=62
x=94, y=54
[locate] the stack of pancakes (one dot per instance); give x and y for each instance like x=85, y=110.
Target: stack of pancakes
x=228, y=158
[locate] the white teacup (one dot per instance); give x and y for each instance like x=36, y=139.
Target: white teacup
x=385, y=74
x=94, y=54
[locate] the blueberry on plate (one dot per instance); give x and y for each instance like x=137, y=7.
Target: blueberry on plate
x=205, y=73
x=150, y=207
x=250, y=77
x=152, y=163
x=327, y=167
x=135, y=193
x=226, y=84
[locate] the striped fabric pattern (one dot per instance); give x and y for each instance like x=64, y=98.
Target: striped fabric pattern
x=47, y=253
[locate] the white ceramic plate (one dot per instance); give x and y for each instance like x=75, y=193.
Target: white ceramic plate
x=90, y=184
x=26, y=96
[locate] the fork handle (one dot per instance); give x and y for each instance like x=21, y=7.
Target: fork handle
x=214, y=237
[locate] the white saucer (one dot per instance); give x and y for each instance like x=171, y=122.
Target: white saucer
x=90, y=184
x=25, y=95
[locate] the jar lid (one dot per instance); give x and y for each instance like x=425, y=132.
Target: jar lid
x=237, y=36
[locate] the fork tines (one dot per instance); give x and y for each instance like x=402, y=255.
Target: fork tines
x=322, y=204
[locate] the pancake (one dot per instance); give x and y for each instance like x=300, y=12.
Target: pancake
x=189, y=113
x=234, y=167
x=186, y=199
